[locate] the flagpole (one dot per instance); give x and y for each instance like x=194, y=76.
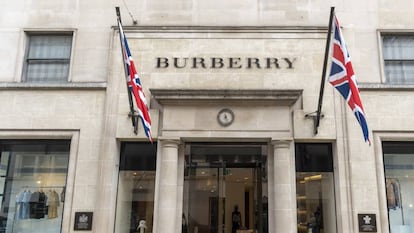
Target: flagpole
x=132, y=113
x=325, y=63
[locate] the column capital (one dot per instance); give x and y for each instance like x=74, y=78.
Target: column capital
x=170, y=141
x=281, y=143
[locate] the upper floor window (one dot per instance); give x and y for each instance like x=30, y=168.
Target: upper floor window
x=398, y=53
x=48, y=57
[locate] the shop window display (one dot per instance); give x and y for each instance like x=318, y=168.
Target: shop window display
x=32, y=185
x=399, y=183
x=136, y=184
x=315, y=188
x=225, y=188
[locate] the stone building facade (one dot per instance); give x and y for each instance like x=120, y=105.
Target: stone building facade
x=230, y=86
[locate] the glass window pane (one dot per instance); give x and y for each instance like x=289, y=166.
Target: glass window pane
x=399, y=71
x=399, y=180
x=313, y=157
x=4, y=161
x=47, y=72
x=225, y=188
x=135, y=203
x=398, y=47
x=2, y=183
x=136, y=185
x=394, y=71
x=144, y=161
x=315, y=197
x=398, y=53
x=48, y=58
x=50, y=47
x=32, y=187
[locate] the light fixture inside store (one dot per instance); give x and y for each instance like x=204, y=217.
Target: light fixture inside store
x=315, y=177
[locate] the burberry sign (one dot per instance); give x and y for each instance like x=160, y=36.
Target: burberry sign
x=225, y=62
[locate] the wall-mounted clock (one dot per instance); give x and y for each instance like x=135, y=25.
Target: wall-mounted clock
x=225, y=117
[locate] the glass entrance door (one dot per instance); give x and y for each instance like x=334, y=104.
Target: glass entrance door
x=225, y=189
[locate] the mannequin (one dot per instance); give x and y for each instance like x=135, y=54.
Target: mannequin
x=184, y=225
x=142, y=226
x=235, y=219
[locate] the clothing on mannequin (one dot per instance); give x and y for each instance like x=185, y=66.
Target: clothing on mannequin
x=184, y=225
x=235, y=219
x=22, y=202
x=52, y=204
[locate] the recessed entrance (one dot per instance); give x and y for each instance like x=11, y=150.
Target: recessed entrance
x=225, y=188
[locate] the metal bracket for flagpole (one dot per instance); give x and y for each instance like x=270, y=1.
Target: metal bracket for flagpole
x=316, y=120
x=135, y=118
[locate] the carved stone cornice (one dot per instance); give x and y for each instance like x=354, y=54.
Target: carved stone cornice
x=262, y=96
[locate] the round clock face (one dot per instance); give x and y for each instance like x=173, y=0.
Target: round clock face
x=225, y=117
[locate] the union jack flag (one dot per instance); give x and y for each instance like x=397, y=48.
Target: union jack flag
x=134, y=85
x=342, y=77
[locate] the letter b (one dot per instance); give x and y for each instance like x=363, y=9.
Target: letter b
x=217, y=62
x=162, y=62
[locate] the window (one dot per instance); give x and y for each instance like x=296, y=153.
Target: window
x=398, y=53
x=48, y=57
x=315, y=193
x=399, y=180
x=32, y=187
x=136, y=186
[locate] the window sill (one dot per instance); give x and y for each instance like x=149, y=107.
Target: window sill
x=385, y=87
x=54, y=86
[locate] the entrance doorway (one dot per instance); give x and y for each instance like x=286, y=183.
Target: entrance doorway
x=225, y=188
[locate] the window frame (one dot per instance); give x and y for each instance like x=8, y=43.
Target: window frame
x=137, y=159
x=73, y=136
x=381, y=34
x=378, y=138
x=28, y=34
x=395, y=147
x=35, y=148
x=314, y=159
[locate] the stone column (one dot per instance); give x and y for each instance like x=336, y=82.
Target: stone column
x=284, y=212
x=165, y=218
